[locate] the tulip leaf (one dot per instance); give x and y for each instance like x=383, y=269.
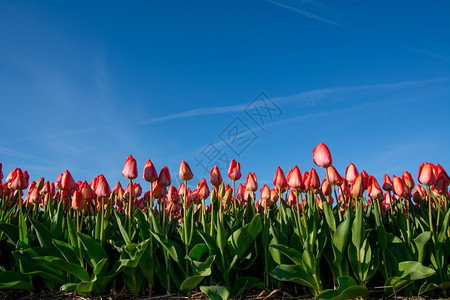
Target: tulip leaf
x=339, y=239
x=294, y=273
x=72, y=233
x=84, y=288
x=407, y=272
x=347, y=289
x=94, y=251
x=11, y=231
x=66, y=250
x=243, y=284
x=190, y=283
x=290, y=253
x=69, y=286
x=75, y=270
x=43, y=234
x=23, y=230
x=198, y=251
x=122, y=230
x=14, y=281
x=144, y=226
x=56, y=226
x=419, y=245
x=329, y=216
x=216, y=292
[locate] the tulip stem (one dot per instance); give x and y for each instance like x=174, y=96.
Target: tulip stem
x=185, y=231
x=101, y=221
x=298, y=215
x=235, y=200
x=279, y=210
x=129, y=207
x=429, y=209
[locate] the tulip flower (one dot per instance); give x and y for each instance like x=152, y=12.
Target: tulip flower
x=19, y=181
x=228, y=195
x=305, y=179
x=159, y=191
x=102, y=189
x=164, y=177
x=292, y=198
x=441, y=172
x=173, y=196
x=149, y=174
x=333, y=176
x=34, y=196
x=185, y=172
x=387, y=183
x=78, y=201
x=313, y=179
x=351, y=173
x=265, y=192
x=67, y=182
x=202, y=189
x=86, y=191
x=216, y=177
x=426, y=174
x=130, y=168
x=234, y=171
x=294, y=179
x=374, y=188
x=322, y=156
x=357, y=188
x=325, y=188
x=280, y=180
x=408, y=180
x=398, y=186
x=252, y=183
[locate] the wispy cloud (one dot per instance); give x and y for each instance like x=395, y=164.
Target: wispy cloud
x=305, y=13
x=442, y=57
x=18, y=154
x=198, y=112
x=310, y=98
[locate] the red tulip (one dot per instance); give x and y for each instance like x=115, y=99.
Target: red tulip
x=366, y=178
x=294, y=179
x=234, y=172
x=252, y=183
x=67, y=182
x=185, y=172
x=325, y=187
x=313, y=179
x=280, y=180
x=441, y=186
x=228, y=195
x=137, y=189
x=408, y=180
x=399, y=186
x=374, y=188
x=46, y=188
x=419, y=193
x=240, y=191
x=387, y=183
x=305, y=179
x=19, y=181
x=78, y=201
x=333, y=176
x=357, y=188
x=130, y=168
x=443, y=173
x=202, y=189
x=34, y=196
x=322, y=156
x=164, y=177
x=292, y=199
x=426, y=174
x=265, y=192
x=150, y=174
x=173, y=195
x=216, y=177
x=86, y=191
x=159, y=191
x=40, y=183
x=102, y=189
x=273, y=195
x=351, y=173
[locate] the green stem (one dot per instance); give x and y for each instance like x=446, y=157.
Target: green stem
x=185, y=231
x=130, y=200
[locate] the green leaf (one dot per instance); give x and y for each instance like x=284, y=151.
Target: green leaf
x=85, y=288
x=296, y=274
x=14, y=281
x=407, y=272
x=72, y=232
x=56, y=226
x=94, y=251
x=198, y=251
x=347, y=289
x=190, y=283
x=429, y=286
x=329, y=217
x=339, y=239
x=147, y=266
x=67, y=251
x=216, y=292
x=75, y=270
x=419, y=245
x=290, y=253
x=99, y=267
x=23, y=231
x=144, y=225
x=43, y=234
x=69, y=286
x=358, y=235
x=122, y=230
x=221, y=236
x=11, y=231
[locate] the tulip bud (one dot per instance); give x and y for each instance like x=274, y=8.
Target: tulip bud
x=265, y=192
x=18, y=181
x=164, y=177
x=40, y=183
x=228, y=195
x=86, y=191
x=351, y=173
x=234, y=171
x=294, y=179
x=426, y=174
x=387, y=183
x=408, y=180
x=185, y=172
x=202, y=189
x=251, y=184
x=34, y=196
x=273, y=195
x=240, y=192
x=305, y=179
x=137, y=189
x=216, y=178
x=102, y=189
x=322, y=156
x=313, y=179
x=280, y=180
x=149, y=174
x=443, y=173
x=67, y=182
x=173, y=195
x=159, y=191
x=374, y=189
x=399, y=186
x=325, y=187
x=357, y=188
x=130, y=168
x=333, y=176
x=292, y=199
x=78, y=201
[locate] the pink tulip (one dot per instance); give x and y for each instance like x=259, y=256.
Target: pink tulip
x=202, y=189
x=387, y=183
x=426, y=174
x=408, y=180
x=313, y=179
x=252, y=183
x=216, y=177
x=333, y=176
x=399, y=186
x=322, y=156
x=294, y=179
x=67, y=182
x=102, y=189
x=185, y=172
x=357, y=188
x=234, y=172
x=78, y=201
x=164, y=177
x=130, y=168
x=150, y=174
x=173, y=195
x=280, y=180
x=374, y=188
x=265, y=192
x=351, y=173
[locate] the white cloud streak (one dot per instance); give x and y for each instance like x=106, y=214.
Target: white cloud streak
x=304, y=13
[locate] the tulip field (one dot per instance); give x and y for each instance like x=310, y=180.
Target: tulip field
x=342, y=236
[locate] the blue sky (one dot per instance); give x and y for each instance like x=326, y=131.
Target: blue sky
x=85, y=83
